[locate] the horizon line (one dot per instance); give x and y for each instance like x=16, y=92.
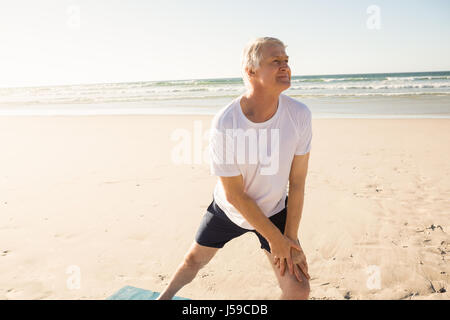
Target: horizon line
x=139, y=81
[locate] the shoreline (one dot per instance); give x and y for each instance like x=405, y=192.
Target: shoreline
x=426, y=107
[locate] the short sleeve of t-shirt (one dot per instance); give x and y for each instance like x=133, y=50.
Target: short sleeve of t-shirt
x=222, y=158
x=305, y=133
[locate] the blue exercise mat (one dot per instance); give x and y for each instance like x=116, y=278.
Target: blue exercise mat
x=133, y=293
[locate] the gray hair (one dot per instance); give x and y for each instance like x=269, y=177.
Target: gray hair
x=252, y=54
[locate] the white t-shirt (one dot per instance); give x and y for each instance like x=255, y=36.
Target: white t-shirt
x=261, y=152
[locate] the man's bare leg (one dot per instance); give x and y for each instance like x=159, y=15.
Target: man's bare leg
x=291, y=288
x=195, y=259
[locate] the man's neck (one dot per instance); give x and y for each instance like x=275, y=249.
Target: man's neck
x=259, y=106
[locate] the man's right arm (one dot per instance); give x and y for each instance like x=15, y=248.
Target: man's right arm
x=235, y=195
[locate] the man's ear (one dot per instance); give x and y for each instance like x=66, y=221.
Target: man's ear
x=250, y=72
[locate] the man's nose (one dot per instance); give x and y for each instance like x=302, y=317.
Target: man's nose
x=284, y=66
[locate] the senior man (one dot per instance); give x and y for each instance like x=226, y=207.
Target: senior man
x=251, y=194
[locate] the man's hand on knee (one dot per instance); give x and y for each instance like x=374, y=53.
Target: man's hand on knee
x=298, y=259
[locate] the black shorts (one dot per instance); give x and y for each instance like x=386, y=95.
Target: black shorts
x=216, y=229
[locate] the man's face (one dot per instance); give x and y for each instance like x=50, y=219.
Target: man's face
x=274, y=72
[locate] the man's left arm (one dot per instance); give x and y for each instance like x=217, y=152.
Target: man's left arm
x=297, y=179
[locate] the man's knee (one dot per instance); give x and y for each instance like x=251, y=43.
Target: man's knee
x=192, y=261
x=195, y=260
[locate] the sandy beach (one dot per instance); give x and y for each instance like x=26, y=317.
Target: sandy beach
x=100, y=200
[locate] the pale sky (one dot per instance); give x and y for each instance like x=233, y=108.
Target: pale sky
x=51, y=42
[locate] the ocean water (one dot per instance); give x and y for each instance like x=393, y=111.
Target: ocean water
x=382, y=95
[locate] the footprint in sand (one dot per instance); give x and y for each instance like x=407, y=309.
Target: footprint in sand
x=412, y=294
x=432, y=227
x=162, y=277
x=374, y=186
